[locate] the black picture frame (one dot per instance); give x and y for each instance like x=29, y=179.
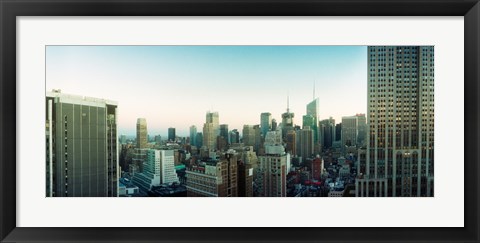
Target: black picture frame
x=10, y=9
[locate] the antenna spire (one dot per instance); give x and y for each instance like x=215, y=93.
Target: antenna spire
x=288, y=103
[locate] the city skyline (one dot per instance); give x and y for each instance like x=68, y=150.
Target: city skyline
x=143, y=78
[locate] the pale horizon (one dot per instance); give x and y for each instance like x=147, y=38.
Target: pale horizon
x=175, y=86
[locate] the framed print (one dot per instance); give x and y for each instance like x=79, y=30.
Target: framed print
x=178, y=100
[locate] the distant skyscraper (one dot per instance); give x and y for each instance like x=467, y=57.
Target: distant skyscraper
x=171, y=134
x=123, y=139
x=209, y=137
x=193, y=135
x=349, y=130
x=274, y=125
x=224, y=132
x=158, y=139
x=338, y=132
x=306, y=143
x=291, y=140
x=312, y=110
x=141, y=133
x=400, y=145
x=212, y=117
x=234, y=136
x=199, y=139
x=362, y=130
x=248, y=135
x=265, y=122
x=82, y=155
x=327, y=132
x=287, y=120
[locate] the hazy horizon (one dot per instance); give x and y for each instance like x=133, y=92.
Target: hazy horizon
x=174, y=86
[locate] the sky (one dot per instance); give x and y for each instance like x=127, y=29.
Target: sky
x=174, y=86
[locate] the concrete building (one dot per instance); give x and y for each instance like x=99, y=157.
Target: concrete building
x=158, y=169
x=400, y=145
x=81, y=146
x=142, y=133
x=272, y=174
x=265, y=122
x=291, y=141
x=213, y=179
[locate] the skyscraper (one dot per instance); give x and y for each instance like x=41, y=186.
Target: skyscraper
x=193, y=135
x=141, y=133
x=212, y=117
x=224, y=132
x=327, y=132
x=234, y=136
x=362, y=130
x=349, y=130
x=81, y=139
x=248, y=135
x=312, y=110
x=265, y=122
x=306, y=143
x=287, y=120
x=209, y=137
x=199, y=139
x=400, y=145
x=171, y=134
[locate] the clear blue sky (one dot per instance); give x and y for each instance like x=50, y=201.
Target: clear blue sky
x=174, y=86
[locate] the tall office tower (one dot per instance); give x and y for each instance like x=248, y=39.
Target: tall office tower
x=291, y=141
x=349, y=131
x=199, y=139
x=81, y=139
x=171, y=134
x=327, y=132
x=287, y=120
x=212, y=117
x=306, y=143
x=141, y=133
x=312, y=110
x=400, y=145
x=362, y=130
x=248, y=135
x=193, y=135
x=224, y=132
x=308, y=121
x=209, y=137
x=338, y=132
x=234, y=136
x=258, y=137
x=274, y=125
x=265, y=122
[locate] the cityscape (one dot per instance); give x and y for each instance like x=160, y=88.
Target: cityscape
x=341, y=142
